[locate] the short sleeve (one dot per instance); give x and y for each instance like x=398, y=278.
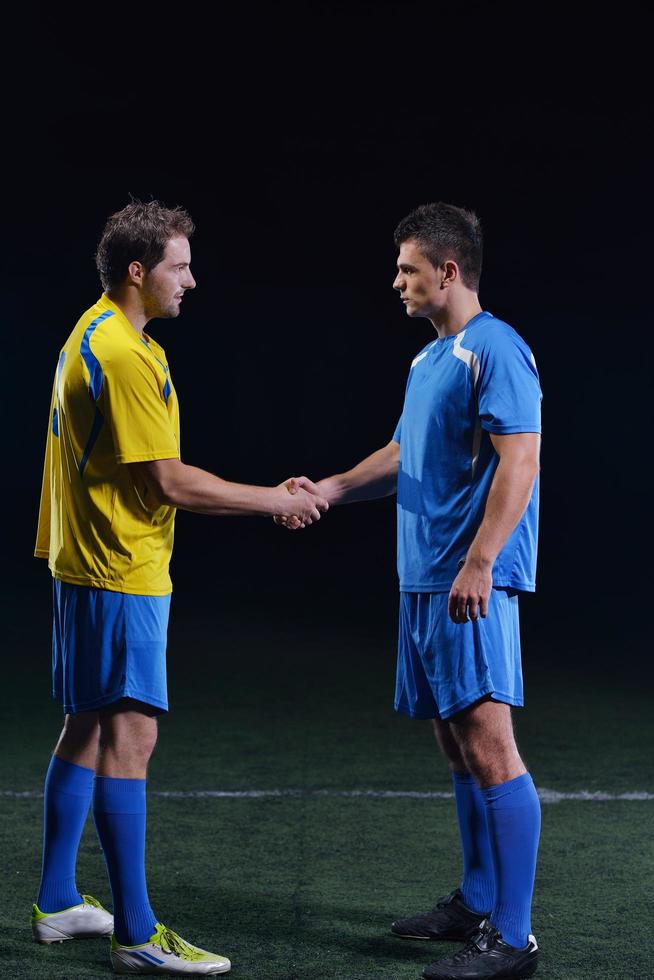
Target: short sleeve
x=398, y=431
x=136, y=412
x=42, y=547
x=508, y=389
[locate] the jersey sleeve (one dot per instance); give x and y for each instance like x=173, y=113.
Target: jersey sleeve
x=136, y=412
x=508, y=390
x=42, y=546
x=397, y=435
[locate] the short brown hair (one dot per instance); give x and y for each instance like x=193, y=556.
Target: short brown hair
x=138, y=233
x=443, y=231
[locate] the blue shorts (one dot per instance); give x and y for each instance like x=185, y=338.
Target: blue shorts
x=107, y=646
x=444, y=667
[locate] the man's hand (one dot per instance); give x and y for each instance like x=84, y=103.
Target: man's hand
x=471, y=591
x=300, y=503
x=374, y=477
x=293, y=485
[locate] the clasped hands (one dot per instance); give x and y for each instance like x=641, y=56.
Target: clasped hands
x=306, y=506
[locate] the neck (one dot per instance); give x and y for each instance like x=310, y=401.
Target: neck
x=451, y=319
x=129, y=304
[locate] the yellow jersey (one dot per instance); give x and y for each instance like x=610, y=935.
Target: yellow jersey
x=113, y=403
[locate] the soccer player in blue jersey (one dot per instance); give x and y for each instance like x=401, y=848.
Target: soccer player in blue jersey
x=464, y=461
x=113, y=479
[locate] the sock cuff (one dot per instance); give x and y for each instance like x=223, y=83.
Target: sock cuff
x=114, y=795
x=67, y=777
x=493, y=794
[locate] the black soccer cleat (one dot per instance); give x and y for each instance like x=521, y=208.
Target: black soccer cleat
x=449, y=919
x=487, y=957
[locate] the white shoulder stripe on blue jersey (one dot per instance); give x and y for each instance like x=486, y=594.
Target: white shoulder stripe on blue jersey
x=467, y=356
x=424, y=354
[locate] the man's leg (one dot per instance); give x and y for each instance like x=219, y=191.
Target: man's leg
x=68, y=790
x=477, y=885
x=128, y=734
x=484, y=735
x=458, y=915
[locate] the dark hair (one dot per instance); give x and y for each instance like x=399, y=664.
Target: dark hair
x=138, y=233
x=443, y=231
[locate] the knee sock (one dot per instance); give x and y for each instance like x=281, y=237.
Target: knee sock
x=478, y=884
x=66, y=805
x=513, y=817
x=119, y=814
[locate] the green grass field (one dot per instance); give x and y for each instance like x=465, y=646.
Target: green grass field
x=304, y=886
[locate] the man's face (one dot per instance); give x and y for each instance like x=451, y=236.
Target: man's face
x=418, y=282
x=165, y=285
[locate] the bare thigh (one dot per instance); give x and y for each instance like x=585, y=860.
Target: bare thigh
x=480, y=740
x=78, y=741
x=128, y=735
x=484, y=735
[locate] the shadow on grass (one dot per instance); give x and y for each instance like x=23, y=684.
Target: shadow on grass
x=248, y=923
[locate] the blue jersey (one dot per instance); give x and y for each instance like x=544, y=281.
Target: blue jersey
x=461, y=388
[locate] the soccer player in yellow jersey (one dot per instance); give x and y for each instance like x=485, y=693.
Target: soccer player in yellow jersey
x=113, y=479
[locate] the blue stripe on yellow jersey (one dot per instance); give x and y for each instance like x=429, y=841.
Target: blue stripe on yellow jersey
x=112, y=403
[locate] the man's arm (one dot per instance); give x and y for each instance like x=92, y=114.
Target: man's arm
x=172, y=482
x=375, y=476
x=507, y=501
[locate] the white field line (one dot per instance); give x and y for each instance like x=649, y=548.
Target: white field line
x=546, y=795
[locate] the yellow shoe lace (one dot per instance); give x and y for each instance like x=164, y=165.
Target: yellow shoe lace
x=89, y=900
x=170, y=942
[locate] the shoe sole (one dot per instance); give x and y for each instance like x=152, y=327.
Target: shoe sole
x=448, y=937
x=504, y=976
x=154, y=972
x=66, y=939
x=527, y=972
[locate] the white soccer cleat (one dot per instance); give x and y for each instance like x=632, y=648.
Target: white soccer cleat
x=166, y=952
x=86, y=921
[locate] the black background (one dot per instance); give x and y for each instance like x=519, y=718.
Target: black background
x=297, y=136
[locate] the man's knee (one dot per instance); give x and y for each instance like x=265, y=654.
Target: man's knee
x=484, y=734
x=84, y=726
x=128, y=729
x=448, y=745
x=78, y=741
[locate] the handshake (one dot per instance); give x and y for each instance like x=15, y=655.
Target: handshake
x=307, y=502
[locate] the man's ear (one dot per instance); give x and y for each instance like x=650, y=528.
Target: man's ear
x=136, y=273
x=450, y=273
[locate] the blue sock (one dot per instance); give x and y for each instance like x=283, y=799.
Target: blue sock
x=66, y=805
x=119, y=814
x=478, y=885
x=513, y=817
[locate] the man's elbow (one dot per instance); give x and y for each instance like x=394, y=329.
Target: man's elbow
x=165, y=496
x=161, y=481
x=531, y=470
x=528, y=466
x=394, y=454
x=168, y=490
x=532, y=464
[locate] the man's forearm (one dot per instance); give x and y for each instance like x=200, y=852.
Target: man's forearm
x=373, y=477
x=507, y=501
x=194, y=489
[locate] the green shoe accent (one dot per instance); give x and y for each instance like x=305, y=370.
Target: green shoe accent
x=170, y=942
x=38, y=915
x=89, y=900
